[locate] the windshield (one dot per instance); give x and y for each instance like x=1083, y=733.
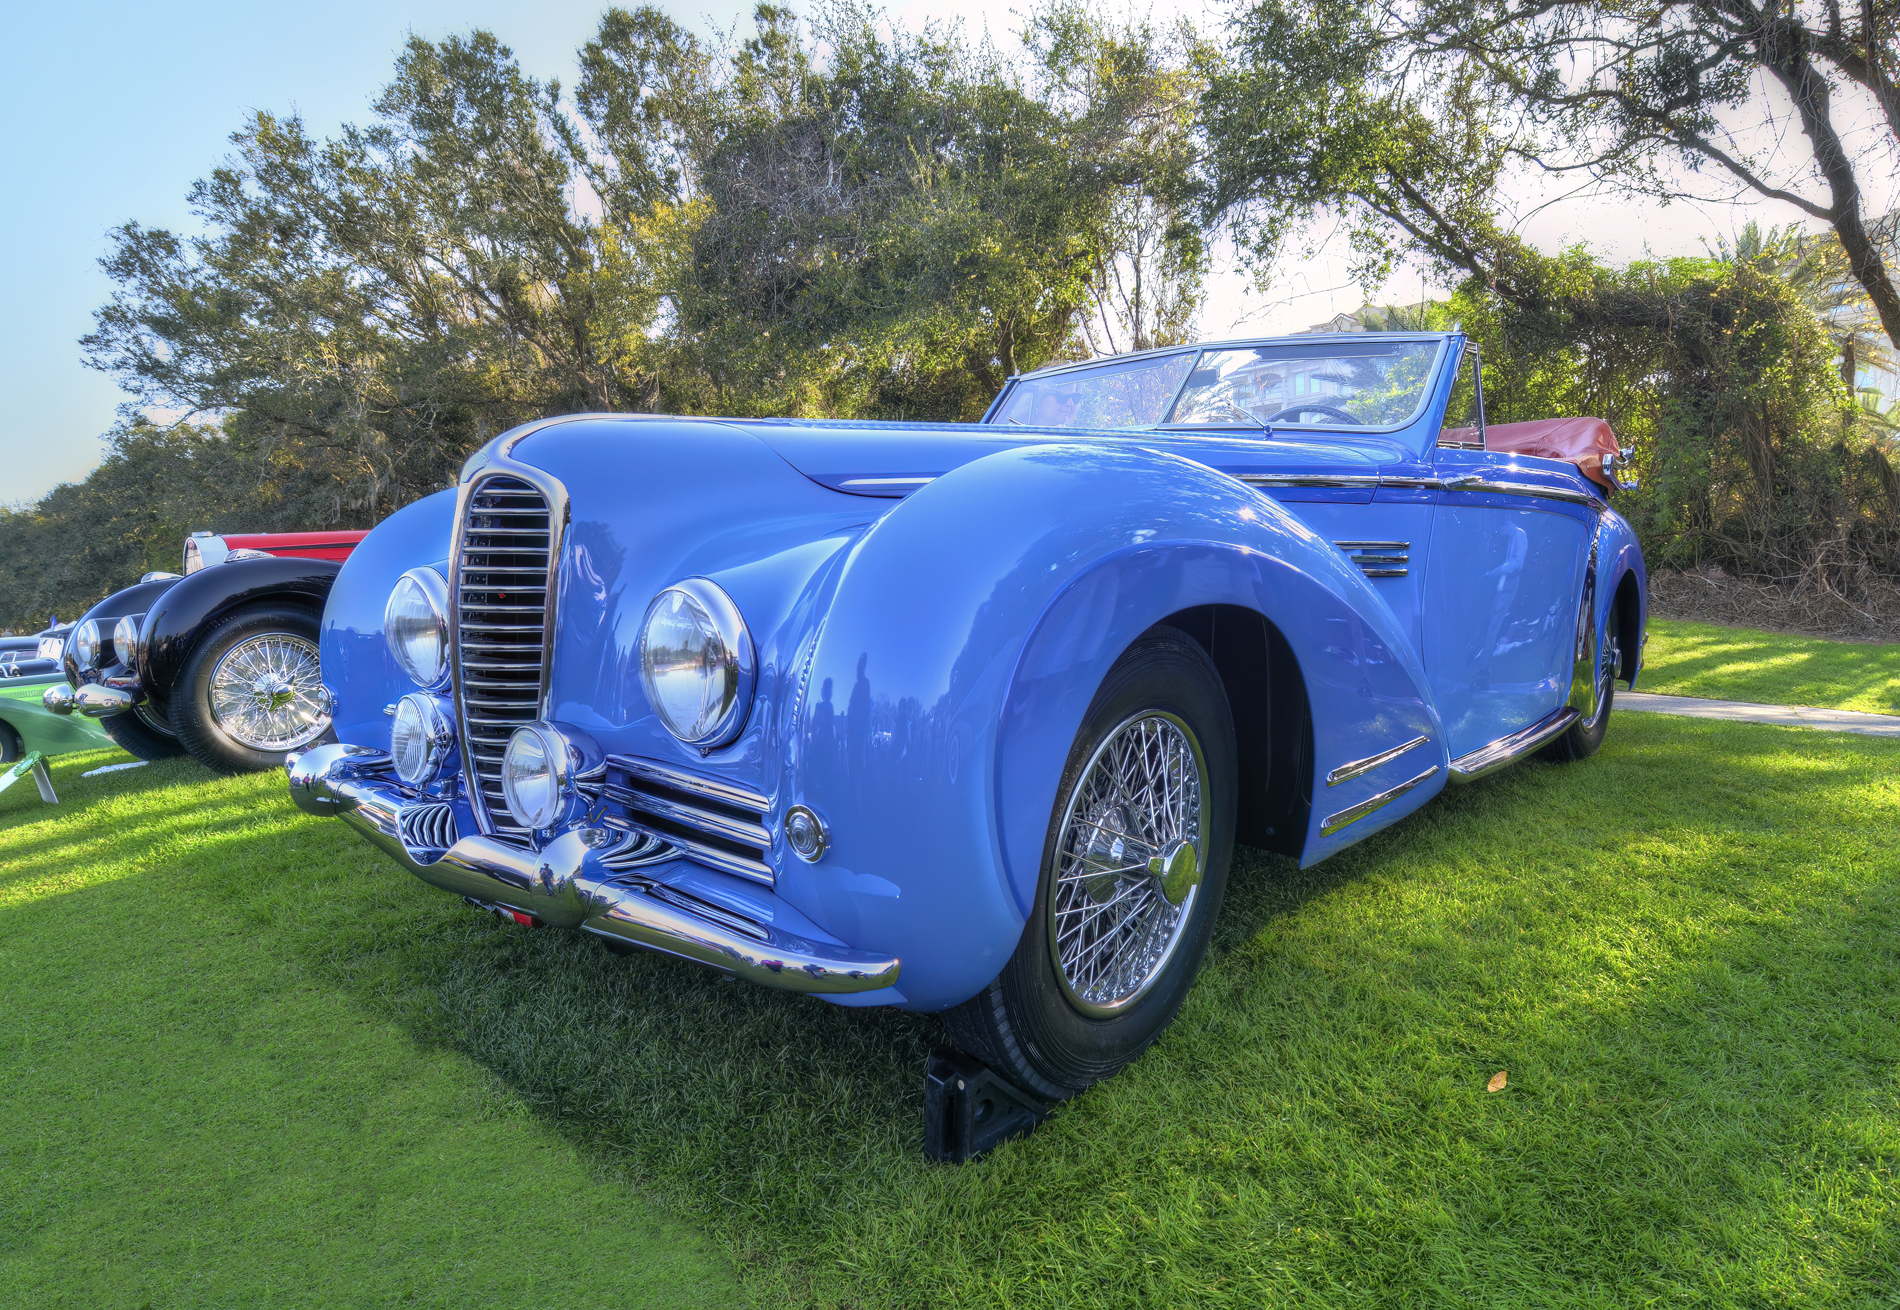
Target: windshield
x=1322, y=385
x=1325, y=384
x=1134, y=394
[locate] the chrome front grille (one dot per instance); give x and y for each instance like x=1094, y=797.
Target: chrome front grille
x=1378, y=559
x=504, y=569
x=716, y=823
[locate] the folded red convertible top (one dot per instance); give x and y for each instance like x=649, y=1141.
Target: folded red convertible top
x=1580, y=441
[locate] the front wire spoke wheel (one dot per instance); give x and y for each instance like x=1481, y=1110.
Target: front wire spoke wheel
x=1134, y=836
x=266, y=693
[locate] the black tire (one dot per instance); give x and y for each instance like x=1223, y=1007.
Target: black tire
x=12, y=749
x=1025, y=1024
x=136, y=732
x=198, y=726
x=1585, y=736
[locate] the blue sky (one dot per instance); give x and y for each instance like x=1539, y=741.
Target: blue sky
x=110, y=111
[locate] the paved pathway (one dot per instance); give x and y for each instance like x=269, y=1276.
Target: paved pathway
x=1794, y=716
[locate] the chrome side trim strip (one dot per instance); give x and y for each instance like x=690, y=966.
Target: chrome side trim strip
x=1373, y=545
x=712, y=789
x=1493, y=756
x=1353, y=813
x=569, y=884
x=1347, y=772
x=1309, y=479
x=1532, y=489
x=887, y=482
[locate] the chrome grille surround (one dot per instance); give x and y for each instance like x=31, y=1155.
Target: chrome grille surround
x=504, y=571
x=716, y=823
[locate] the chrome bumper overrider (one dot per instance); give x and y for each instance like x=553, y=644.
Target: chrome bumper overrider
x=95, y=700
x=567, y=885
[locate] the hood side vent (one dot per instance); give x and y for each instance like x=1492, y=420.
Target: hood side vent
x=1379, y=559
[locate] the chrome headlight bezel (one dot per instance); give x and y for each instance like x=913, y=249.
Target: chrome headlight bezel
x=569, y=757
x=432, y=589
x=735, y=662
x=432, y=722
x=125, y=638
x=86, y=644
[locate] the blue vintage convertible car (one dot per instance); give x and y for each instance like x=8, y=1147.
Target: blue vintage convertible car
x=967, y=718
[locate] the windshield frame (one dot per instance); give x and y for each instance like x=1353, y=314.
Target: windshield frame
x=1438, y=340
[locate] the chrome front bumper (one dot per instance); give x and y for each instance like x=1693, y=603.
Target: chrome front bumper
x=567, y=885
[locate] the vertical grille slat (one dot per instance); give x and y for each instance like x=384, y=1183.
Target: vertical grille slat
x=503, y=585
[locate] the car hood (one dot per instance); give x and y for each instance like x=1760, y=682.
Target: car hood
x=893, y=459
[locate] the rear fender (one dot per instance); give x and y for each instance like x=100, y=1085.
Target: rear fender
x=1622, y=589
x=968, y=633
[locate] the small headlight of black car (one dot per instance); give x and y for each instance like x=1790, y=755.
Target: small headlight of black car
x=125, y=637
x=416, y=625
x=696, y=662
x=86, y=644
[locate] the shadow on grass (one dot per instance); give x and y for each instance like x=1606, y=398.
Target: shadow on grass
x=1741, y=664
x=1676, y=949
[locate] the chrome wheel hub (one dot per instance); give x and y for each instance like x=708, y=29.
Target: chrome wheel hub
x=1128, y=863
x=267, y=694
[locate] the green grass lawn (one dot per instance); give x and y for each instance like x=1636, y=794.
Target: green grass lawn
x=1701, y=659
x=1685, y=954
x=197, y=1114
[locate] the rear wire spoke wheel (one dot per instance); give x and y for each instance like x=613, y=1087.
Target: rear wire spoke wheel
x=1134, y=867
x=251, y=689
x=1585, y=737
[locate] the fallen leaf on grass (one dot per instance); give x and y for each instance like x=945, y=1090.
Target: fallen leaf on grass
x=1497, y=1082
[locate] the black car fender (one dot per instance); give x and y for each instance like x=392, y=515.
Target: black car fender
x=139, y=598
x=174, y=624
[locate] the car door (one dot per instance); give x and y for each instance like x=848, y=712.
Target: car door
x=1503, y=574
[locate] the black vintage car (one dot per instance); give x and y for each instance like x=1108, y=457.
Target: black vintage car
x=219, y=662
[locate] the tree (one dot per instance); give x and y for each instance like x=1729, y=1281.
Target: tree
x=1606, y=88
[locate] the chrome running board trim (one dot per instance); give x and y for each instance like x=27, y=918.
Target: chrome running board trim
x=1352, y=814
x=1493, y=756
x=1347, y=772
x=569, y=884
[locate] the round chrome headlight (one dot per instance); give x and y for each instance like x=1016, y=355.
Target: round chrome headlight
x=125, y=637
x=416, y=625
x=86, y=643
x=696, y=662
x=534, y=776
x=421, y=739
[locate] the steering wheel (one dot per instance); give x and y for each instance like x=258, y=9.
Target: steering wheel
x=1339, y=414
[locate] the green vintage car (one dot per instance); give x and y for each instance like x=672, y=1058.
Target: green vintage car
x=26, y=725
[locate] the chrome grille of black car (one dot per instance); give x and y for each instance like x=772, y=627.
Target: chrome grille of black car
x=1378, y=559
x=501, y=618
x=716, y=823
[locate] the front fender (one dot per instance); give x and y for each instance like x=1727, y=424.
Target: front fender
x=357, y=665
x=174, y=624
x=139, y=598
x=968, y=632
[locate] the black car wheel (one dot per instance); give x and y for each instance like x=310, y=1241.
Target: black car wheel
x=1133, y=871
x=250, y=690
x=12, y=749
x=143, y=731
